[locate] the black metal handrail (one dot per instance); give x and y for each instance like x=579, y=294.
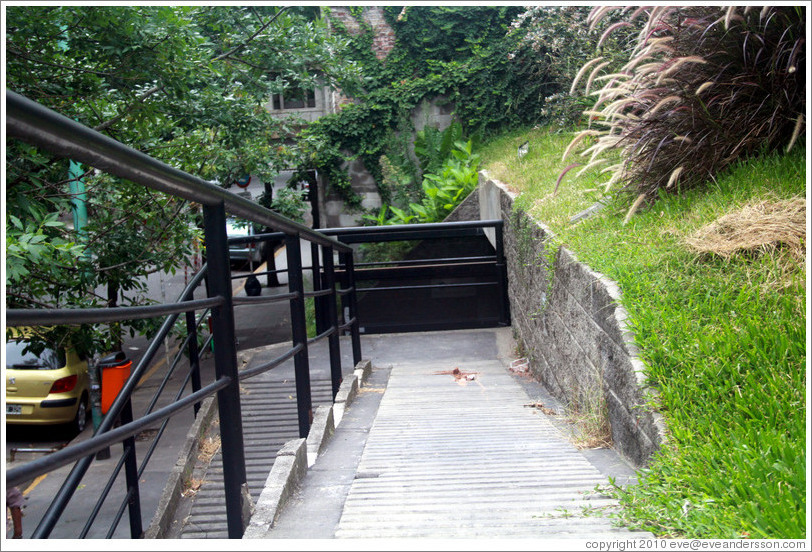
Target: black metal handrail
x=37, y=125
x=40, y=317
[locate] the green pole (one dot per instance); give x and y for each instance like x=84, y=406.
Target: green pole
x=78, y=198
x=78, y=194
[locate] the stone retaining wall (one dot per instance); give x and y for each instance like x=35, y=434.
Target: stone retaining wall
x=572, y=328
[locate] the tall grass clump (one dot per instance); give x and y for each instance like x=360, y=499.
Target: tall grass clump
x=703, y=88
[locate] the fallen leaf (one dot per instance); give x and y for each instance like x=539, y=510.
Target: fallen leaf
x=544, y=409
x=458, y=374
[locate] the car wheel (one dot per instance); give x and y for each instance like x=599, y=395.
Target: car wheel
x=80, y=421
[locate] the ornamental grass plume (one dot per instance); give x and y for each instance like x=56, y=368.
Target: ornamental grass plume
x=704, y=87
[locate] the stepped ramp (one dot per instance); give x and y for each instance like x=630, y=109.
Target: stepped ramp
x=430, y=453
x=462, y=456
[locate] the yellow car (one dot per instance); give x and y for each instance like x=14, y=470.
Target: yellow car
x=46, y=389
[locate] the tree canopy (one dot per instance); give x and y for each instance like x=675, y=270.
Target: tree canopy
x=186, y=85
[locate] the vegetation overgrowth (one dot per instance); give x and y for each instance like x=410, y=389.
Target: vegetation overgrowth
x=498, y=66
x=455, y=178
x=703, y=87
x=723, y=338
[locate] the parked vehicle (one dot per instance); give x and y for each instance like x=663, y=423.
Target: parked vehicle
x=49, y=388
x=250, y=252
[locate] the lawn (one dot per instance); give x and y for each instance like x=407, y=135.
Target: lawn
x=723, y=338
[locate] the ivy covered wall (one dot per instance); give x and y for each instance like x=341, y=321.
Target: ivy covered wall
x=429, y=65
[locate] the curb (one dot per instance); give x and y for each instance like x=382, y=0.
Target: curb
x=321, y=430
x=292, y=463
x=288, y=469
x=181, y=471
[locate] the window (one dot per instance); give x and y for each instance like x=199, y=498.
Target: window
x=295, y=98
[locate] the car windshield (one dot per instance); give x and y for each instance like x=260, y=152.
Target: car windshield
x=18, y=358
x=236, y=228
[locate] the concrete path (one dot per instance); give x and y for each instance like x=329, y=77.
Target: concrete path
x=427, y=452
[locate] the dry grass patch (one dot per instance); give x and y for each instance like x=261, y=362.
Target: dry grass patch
x=208, y=448
x=761, y=227
x=590, y=430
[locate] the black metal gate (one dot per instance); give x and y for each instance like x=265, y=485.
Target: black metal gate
x=428, y=277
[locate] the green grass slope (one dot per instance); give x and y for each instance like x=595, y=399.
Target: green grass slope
x=724, y=340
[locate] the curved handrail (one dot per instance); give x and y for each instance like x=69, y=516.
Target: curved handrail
x=38, y=125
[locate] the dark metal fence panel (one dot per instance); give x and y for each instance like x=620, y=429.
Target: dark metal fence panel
x=451, y=278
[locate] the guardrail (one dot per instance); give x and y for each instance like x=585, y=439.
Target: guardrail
x=39, y=126
x=454, y=277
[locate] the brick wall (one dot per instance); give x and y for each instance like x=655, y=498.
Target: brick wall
x=384, y=38
x=570, y=323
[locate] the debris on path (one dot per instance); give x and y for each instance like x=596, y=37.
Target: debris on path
x=459, y=375
x=520, y=366
x=540, y=406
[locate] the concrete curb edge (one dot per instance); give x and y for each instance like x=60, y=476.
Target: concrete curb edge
x=181, y=471
x=292, y=462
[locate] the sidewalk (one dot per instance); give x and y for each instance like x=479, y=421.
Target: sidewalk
x=424, y=452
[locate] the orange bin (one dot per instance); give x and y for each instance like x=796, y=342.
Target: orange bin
x=115, y=370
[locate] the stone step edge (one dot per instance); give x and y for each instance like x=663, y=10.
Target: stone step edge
x=296, y=456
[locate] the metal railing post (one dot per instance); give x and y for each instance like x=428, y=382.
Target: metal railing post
x=501, y=268
x=321, y=318
x=304, y=403
x=225, y=363
x=336, y=374
x=352, y=305
x=194, y=354
x=131, y=476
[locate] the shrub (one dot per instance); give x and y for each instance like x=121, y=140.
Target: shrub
x=552, y=43
x=291, y=203
x=432, y=146
x=442, y=191
x=704, y=87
